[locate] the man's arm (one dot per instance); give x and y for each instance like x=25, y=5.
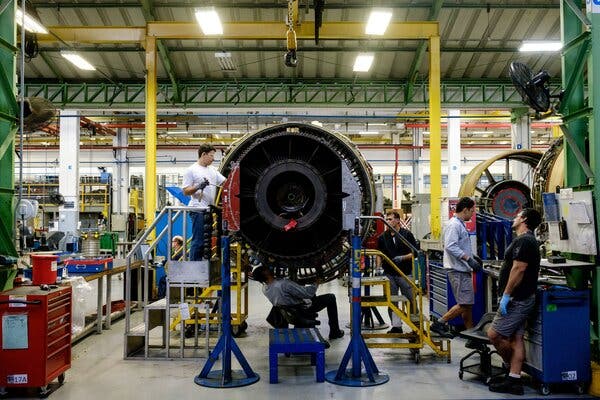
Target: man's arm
x=298, y=291
x=451, y=243
x=197, y=190
x=516, y=276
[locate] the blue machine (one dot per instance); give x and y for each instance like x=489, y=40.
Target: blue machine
x=441, y=298
x=557, y=342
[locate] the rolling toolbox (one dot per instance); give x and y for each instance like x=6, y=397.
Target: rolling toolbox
x=35, y=335
x=557, y=341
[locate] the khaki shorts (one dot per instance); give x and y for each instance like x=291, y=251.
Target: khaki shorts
x=462, y=287
x=515, y=320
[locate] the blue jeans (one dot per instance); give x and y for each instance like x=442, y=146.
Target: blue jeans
x=197, y=245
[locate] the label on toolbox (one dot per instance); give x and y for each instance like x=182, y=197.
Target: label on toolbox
x=13, y=298
x=568, y=375
x=53, y=266
x=16, y=379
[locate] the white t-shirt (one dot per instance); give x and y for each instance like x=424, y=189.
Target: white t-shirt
x=196, y=174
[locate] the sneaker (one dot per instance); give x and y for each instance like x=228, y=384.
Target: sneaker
x=441, y=329
x=336, y=335
x=508, y=385
x=395, y=329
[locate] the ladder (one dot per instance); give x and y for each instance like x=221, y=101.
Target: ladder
x=410, y=311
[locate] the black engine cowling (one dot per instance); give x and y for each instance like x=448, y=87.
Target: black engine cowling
x=300, y=188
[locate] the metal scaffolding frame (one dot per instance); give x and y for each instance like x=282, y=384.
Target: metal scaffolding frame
x=457, y=94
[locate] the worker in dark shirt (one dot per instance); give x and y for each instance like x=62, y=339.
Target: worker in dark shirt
x=517, y=285
x=402, y=255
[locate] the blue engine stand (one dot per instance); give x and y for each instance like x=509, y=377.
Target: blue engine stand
x=226, y=378
x=357, y=349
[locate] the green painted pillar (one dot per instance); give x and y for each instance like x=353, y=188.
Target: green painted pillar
x=8, y=119
x=572, y=28
x=593, y=75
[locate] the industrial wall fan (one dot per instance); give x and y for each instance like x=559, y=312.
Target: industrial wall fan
x=532, y=88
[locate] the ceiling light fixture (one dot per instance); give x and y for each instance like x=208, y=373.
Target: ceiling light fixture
x=209, y=21
x=225, y=61
x=363, y=62
x=77, y=60
x=540, y=45
x=379, y=19
x=31, y=24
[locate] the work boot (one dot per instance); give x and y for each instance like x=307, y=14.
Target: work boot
x=475, y=345
x=336, y=335
x=441, y=329
x=509, y=385
x=395, y=329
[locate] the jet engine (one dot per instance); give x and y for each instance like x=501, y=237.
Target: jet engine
x=293, y=192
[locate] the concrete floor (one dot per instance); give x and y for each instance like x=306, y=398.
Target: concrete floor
x=99, y=371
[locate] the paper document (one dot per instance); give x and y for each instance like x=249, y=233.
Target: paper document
x=579, y=212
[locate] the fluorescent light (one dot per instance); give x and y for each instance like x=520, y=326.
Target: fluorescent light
x=538, y=46
x=31, y=24
x=231, y=132
x=378, y=22
x=225, y=61
x=363, y=62
x=367, y=133
x=77, y=60
x=209, y=21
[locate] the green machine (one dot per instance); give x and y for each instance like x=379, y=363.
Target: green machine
x=9, y=111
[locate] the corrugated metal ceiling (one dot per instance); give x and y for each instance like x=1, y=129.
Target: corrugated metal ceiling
x=477, y=42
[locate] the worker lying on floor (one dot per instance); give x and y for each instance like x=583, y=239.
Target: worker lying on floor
x=284, y=292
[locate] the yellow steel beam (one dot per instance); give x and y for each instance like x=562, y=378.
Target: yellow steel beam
x=150, y=151
x=276, y=30
x=435, y=135
x=94, y=34
x=237, y=30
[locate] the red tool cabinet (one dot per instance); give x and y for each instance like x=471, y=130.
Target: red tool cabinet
x=35, y=336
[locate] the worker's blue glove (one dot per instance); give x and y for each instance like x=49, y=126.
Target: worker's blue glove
x=475, y=266
x=202, y=184
x=504, y=303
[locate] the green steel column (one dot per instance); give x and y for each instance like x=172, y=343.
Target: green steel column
x=8, y=119
x=571, y=28
x=593, y=75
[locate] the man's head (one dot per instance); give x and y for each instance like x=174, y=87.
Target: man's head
x=528, y=218
x=206, y=154
x=262, y=274
x=393, y=218
x=465, y=208
x=176, y=242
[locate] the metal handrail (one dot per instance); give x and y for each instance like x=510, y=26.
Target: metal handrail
x=179, y=210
